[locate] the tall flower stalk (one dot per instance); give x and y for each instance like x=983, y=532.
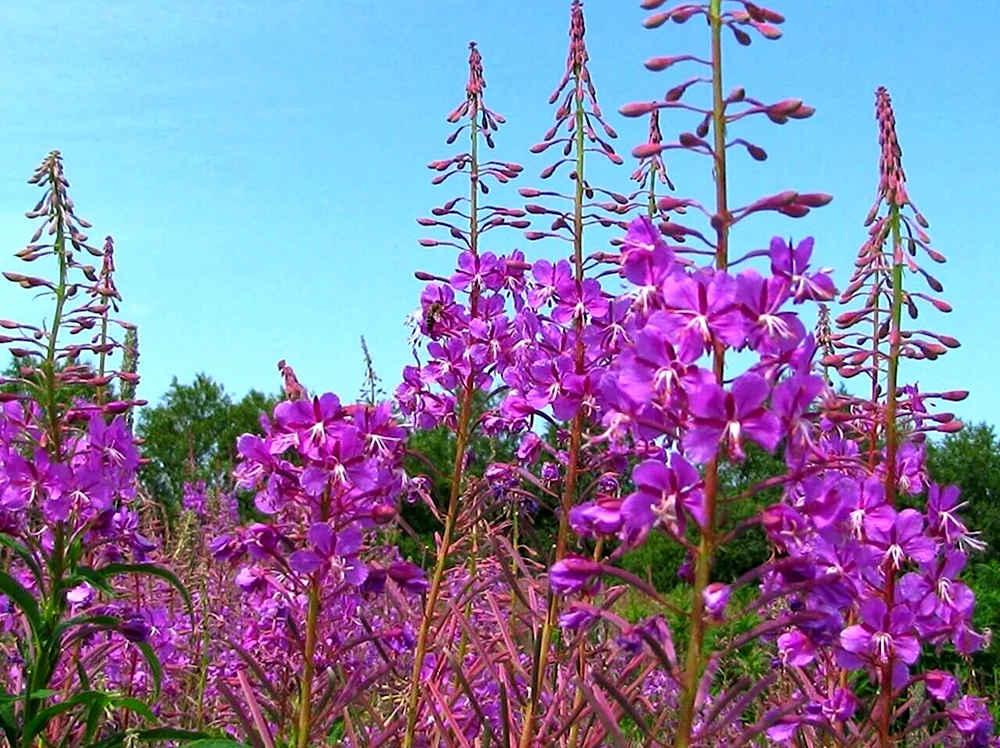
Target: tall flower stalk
x=894, y=422
x=481, y=123
x=715, y=121
x=66, y=488
x=586, y=131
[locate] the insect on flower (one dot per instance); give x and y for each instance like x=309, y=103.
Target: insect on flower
x=433, y=316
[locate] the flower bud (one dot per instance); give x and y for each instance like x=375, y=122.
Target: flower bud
x=383, y=514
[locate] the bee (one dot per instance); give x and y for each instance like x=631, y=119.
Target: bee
x=433, y=316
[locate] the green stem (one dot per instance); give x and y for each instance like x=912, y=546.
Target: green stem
x=461, y=445
x=203, y=663
x=439, y=569
x=694, y=661
x=876, y=371
x=891, y=444
x=49, y=366
x=581, y=668
x=44, y=663
x=305, y=692
x=651, y=195
x=103, y=356
x=576, y=429
x=895, y=344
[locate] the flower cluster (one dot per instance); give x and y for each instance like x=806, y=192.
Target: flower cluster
x=590, y=404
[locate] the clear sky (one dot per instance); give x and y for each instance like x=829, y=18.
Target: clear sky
x=261, y=163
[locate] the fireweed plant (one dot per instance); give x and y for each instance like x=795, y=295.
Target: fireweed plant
x=80, y=663
x=632, y=373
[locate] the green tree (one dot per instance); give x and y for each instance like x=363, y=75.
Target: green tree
x=191, y=435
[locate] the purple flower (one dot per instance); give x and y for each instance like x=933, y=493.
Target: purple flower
x=796, y=649
x=646, y=259
x=716, y=597
x=344, y=465
x=701, y=310
x=330, y=551
x=512, y=271
x=841, y=706
x=546, y=377
x=880, y=636
x=942, y=514
x=941, y=685
x=663, y=494
x=261, y=541
x=791, y=264
x=784, y=729
x=577, y=300
x=905, y=539
x=481, y=270
x=576, y=392
x=827, y=500
x=194, y=497
x=718, y=415
x=911, y=475
x=548, y=278
x=577, y=617
x=573, y=574
x=251, y=579
x=529, y=448
x=771, y=330
x=135, y=628
x=450, y=364
x=652, y=368
x=408, y=576
x=871, y=514
x=38, y=482
x=315, y=421
x=789, y=402
x=597, y=518
x=111, y=445
x=81, y=595
x=971, y=717
x=227, y=548
x=441, y=315
x=381, y=433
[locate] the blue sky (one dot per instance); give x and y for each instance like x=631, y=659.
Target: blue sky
x=261, y=164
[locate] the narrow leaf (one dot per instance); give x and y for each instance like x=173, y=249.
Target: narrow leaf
x=23, y=599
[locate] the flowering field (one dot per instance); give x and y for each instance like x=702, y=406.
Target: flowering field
x=581, y=410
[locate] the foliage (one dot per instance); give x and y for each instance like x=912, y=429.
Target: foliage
x=190, y=436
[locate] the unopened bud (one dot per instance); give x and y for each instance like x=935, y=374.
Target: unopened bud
x=383, y=514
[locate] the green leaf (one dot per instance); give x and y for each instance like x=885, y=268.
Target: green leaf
x=216, y=743
x=82, y=674
x=92, y=577
x=102, y=622
x=23, y=599
x=42, y=693
x=42, y=719
x=93, y=721
x=7, y=723
x=135, y=705
x=150, y=570
x=154, y=665
x=25, y=555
